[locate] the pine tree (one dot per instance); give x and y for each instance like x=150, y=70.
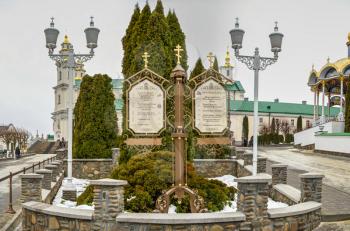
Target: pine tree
x=177, y=36
x=128, y=43
x=216, y=64
x=95, y=130
x=347, y=110
x=299, y=124
x=198, y=68
x=245, y=130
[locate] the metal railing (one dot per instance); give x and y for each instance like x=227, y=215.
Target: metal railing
x=24, y=171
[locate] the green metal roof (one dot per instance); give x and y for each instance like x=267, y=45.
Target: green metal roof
x=77, y=83
x=235, y=86
x=279, y=108
x=118, y=103
x=117, y=83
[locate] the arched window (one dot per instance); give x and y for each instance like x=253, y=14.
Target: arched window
x=330, y=73
x=59, y=99
x=60, y=75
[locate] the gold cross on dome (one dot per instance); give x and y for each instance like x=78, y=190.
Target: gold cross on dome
x=210, y=57
x=178, y=53
x=145, y=57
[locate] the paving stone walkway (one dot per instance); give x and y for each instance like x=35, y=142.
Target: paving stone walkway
x=335, y=200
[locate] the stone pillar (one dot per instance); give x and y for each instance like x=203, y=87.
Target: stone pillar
x=69, y=193
x=47, y=177
x=253, y=192
x=239, y=153
x=262, y=164
x=61, y=153
x=279, y=174
x=108, y=201
x=232, y=151
x=59, y=166
x=54, y=171
x=115, y=155
x=31, y=185
x=248, y=158
x=311, y=187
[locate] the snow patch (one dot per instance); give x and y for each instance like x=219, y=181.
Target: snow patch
x=80, y=185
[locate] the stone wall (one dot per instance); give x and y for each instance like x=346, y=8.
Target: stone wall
x=40, y=217
x=92, y=169
x=215, y=167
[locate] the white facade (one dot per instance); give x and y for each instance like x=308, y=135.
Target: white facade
x=333, y=143
x=60, y=114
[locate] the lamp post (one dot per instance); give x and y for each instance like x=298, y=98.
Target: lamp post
x=256, y=63
x=69, y=60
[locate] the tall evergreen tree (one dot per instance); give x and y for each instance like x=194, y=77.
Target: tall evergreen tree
x=177, y=36
x=138, y=38
x=128, y=42
x=245, y=130
x=299, y=124
x=198, y=68
x=216, y=64
x=95, y=129
x=347, y=110
x=273, y=126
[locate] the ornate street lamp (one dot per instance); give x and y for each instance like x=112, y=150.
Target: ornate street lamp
x=256, y=63
x=69, y=60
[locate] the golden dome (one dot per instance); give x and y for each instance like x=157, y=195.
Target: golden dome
x=228, y=59
x=66, y=39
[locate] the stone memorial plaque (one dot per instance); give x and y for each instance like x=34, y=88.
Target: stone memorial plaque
x=146, y=108
x=210, y=108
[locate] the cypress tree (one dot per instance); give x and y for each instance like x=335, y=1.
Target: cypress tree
x=128, y=42
x=245, y=130
x=198, y=68
x=95, y=129
x=299, y=124
x=138, y=38
x=347, y=110
x=177, y=36
x=216, y=64
x=273, y=126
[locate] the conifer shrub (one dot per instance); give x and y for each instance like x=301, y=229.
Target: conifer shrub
x=87, y=196
x=148, y=174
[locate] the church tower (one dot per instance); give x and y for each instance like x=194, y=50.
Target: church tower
x=227, y=68
x=60, y=114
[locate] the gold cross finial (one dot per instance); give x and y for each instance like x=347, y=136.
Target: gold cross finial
x=210, y=57
x=313, y=67
x=145, y=57
x=328, y=59
x=178, y=53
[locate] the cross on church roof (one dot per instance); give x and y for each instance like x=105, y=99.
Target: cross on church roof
x=145, y=57
x=178, y=51
x=210, y=57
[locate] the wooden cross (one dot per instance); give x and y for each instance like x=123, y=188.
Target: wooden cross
x=145, y=57
x=178, y=53
x=210, y=57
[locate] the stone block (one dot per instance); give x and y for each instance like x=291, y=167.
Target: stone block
x=279, y=174
x=69, y=193
x=47, y=177
x=54, y=170
x=31, y=185
x=261, y=165
x=108, y=201
x=311, y=187
x=248, y=158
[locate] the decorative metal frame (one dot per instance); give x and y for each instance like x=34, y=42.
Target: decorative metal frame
x=129, y=83
x=195, y=83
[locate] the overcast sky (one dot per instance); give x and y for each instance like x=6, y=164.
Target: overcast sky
x=313, y=29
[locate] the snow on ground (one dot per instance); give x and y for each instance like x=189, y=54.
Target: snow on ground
x=80, y=185
x=229, y=180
